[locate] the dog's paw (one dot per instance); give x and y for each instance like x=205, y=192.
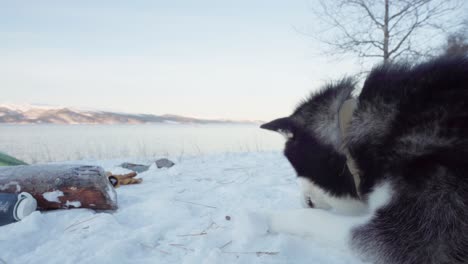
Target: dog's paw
x=294, y=222
x=250, y=224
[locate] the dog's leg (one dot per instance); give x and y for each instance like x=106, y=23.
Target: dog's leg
x=326, y=225
x=320, y=224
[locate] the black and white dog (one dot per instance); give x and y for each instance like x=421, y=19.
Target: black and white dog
x=390, y=168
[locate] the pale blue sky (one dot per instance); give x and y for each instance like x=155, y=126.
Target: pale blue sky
x=213, y=59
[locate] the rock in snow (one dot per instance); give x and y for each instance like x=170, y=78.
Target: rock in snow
x=164, y=163
x=138, y=168
x=178, y=219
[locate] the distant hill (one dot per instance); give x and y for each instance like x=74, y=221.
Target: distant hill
x=20, y=114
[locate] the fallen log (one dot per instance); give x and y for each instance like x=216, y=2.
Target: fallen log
x=61, y=186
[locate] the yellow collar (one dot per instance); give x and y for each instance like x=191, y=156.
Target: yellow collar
x=344, y=120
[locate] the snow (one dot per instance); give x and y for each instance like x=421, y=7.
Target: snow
x=75, y=204
x=205, y=209
x=12, y=183
x=52, y=196
x=24, y=107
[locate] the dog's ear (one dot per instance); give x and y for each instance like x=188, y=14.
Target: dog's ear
x=284, y=126
x=321, y=111
x=328, y=100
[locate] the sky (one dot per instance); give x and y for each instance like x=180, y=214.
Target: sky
x=241, y=60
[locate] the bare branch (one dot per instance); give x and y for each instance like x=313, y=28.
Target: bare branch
x=371, y=56
x=368, y=11
x=410, y=6
x=356, y=26
x=415, y=25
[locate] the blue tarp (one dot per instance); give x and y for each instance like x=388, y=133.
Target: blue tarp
x=6, y=160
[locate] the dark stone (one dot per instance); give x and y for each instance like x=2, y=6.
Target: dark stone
x=135, y=167
x=164, y=163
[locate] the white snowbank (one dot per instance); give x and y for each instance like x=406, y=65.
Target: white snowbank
x=178, y=215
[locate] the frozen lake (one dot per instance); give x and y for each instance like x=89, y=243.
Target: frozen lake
x=46, y=143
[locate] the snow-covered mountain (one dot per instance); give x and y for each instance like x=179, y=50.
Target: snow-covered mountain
x=32, y=114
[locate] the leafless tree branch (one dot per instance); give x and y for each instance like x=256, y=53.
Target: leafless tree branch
x=387, y=29
x=363, y=5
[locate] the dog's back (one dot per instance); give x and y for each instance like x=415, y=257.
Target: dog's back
x=408, y=141
x=410, y=129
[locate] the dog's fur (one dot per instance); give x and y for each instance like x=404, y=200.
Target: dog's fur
x=409, y=139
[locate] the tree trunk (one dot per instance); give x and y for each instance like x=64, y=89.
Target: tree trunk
x=61, y=186
x=386, y=56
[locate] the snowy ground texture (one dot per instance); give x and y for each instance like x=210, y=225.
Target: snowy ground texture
x=177, y=215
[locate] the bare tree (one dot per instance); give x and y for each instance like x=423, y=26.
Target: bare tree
x=457, y=43
x=386, y=29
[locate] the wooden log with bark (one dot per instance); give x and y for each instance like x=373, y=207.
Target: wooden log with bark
x=61, y=186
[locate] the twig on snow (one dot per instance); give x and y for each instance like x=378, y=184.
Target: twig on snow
x=80, y=222
x=165, y=252
x=198, y=234
x=239, y=168
x=209, y=206
x=203, y=232
x=258, y=253
x=182, y=247
x=225, y=245
x=154, y=247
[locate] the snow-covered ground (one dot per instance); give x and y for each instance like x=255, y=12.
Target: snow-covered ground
x=205, y=209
